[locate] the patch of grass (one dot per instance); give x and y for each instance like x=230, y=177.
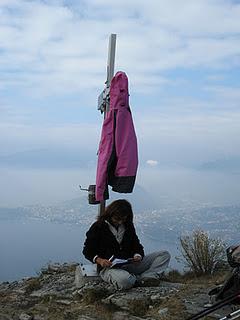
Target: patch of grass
x=105, y=311
x=205, y=280
x=174, y=276
x=191, y=277
x=93, y=295
x=139, y=307
x=32, y=285
x=49, y=298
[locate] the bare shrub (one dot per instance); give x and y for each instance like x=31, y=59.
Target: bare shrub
x=201, y=253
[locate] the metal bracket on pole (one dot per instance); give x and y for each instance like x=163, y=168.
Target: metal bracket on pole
x=104, y=97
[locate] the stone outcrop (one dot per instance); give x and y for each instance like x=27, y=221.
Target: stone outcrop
x=55, y=294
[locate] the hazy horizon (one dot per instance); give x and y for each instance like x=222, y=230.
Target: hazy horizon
x=176, y=186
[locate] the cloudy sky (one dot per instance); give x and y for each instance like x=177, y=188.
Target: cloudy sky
x=182, y=58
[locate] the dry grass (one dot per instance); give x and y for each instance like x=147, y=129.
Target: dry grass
x=190, y=277
x=192, y=284
x=139, y=307
x=93, y=295
x=32, y=285
x=175, y=306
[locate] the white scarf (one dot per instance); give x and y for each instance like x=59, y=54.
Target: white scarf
x=118, y=233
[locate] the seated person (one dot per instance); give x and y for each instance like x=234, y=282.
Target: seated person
x=113, y=234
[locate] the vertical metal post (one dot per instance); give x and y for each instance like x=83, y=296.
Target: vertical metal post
x=110, y=74
x=110, y=63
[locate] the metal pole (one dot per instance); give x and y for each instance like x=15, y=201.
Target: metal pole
x=214, y=307
x=111, y=61
x=110, y=74
x=233, y=315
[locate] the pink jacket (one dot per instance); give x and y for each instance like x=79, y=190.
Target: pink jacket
x=117, y=155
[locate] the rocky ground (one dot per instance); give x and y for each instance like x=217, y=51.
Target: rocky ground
x=53, y=295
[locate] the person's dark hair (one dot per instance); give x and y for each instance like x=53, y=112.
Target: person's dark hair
x=119, y=208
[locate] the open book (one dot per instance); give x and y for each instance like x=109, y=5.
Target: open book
x=120, y=262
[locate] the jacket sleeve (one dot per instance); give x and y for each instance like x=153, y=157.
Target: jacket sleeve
x=136, y=245
x=104, y=154
x=91, y=248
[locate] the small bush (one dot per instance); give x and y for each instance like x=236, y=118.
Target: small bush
x=200, y=253
x=32, y=285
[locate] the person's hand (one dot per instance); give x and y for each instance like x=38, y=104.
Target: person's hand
x=137, y=258
x=103, y=262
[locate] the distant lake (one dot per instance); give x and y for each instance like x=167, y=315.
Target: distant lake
x=27, y=246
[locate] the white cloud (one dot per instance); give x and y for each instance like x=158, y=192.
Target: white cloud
x=152, y=163
x=50, y=48
x=59, y=48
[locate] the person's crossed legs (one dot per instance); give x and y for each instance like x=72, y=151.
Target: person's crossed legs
x=151, y=267
x=119, y=278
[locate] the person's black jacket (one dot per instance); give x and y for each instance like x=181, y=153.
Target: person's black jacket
x=100, y=241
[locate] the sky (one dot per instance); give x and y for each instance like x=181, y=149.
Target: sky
x=182, y=59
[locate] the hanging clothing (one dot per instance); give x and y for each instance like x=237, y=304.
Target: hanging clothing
x=117, y=155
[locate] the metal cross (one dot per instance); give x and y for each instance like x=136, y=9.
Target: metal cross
x=104, y=97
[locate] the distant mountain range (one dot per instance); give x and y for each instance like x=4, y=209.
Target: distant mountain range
x=70, y=158
x=72, y=210
x=231, y=165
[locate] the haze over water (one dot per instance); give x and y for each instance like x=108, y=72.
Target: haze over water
x=27, y=245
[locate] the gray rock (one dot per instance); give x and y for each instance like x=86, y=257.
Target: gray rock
x=38, y=317
x=25, y=316
x=121, y=315
x=125, y=299
x=82, y=317
x=163, y=312
x=156, y=298
x=5, y=317
x=45, y=292
x=64, y=302
x=58, y=268
x=20, y=291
